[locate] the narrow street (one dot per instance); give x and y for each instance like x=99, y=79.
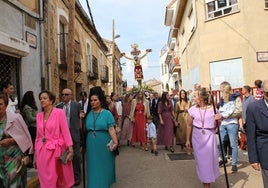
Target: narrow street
x=136, y=168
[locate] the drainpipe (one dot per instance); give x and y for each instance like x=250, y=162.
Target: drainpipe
x=48, y=49
x=41, y=47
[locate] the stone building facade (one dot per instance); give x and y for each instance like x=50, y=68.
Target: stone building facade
x=91, y=64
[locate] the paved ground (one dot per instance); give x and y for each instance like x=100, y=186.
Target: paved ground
x=137, y=168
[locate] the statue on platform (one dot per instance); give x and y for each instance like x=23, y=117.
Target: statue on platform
x=138, y=73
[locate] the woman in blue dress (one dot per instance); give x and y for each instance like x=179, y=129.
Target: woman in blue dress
x=99, y=124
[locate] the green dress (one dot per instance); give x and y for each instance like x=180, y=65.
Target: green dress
x=10, y=159
x=100, y=161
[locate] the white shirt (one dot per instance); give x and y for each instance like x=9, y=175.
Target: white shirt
x=151, y=130
x=11, y=107
x=85, y=105
x=119, y=108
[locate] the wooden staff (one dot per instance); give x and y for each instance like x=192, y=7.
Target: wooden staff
x=221, y=147
x=83, y=135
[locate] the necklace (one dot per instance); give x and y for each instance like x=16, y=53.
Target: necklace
x=44, y=139
x=202, y=117
x=94, y=121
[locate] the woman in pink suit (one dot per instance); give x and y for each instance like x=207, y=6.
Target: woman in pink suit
x=52, y=139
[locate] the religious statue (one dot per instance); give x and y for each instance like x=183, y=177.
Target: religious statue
x=138, y=73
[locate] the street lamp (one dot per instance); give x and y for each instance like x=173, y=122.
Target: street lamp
x=113, y=58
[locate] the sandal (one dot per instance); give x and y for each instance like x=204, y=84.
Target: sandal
x=171, y=149
x=146, y=149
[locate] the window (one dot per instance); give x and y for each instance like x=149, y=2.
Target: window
x=266, y=3
x=88, y=57
x=77, y=57
x=62, y=39
x=216, y=8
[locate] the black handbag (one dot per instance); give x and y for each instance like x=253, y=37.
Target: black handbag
x=63, y=157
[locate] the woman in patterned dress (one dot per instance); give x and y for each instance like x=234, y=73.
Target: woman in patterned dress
x=15, y=140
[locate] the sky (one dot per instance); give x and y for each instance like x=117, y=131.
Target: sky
x=136, y=21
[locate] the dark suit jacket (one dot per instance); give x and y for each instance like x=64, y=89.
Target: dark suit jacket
x=154, y=107
x=75, y=109
x=257, y=133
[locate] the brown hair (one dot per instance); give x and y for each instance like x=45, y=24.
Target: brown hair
x=204, y=95
x=51, y=95
x=4, y=98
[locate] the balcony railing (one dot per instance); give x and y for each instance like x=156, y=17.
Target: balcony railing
x=105, y=74
x=63, y=37
x=92, y=62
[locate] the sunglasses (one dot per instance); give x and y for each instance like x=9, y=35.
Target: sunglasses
x=65, y=94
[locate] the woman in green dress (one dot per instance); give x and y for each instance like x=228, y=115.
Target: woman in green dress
x=100, y=158
x=15, y=140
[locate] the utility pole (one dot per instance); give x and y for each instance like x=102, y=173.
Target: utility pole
x=113, y=59
x=70, y=52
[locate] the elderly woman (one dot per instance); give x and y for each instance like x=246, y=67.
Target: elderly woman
x=53, y=140
x=15, y=140
x=201, y=126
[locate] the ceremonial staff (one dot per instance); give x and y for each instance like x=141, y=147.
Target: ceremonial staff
x=83, y=141
x=221, y=147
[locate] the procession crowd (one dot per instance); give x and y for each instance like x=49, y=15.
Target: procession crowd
x=51, y=140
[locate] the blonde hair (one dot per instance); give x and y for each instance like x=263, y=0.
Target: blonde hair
x=226, y=91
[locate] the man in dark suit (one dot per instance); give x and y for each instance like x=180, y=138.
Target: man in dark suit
x=72, y=110
x=154, y=109
x=257, y=134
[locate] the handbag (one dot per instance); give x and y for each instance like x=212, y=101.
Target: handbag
x=63, y=157
x=24, y=162
x=110, y=148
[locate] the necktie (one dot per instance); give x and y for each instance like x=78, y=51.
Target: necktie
x=66, y=108
x=67, y=112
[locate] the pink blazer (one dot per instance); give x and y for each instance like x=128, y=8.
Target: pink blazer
x=56, y=131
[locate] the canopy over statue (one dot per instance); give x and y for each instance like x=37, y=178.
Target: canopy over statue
x=138, y=73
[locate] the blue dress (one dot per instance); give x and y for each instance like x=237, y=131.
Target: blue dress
x=100, y=162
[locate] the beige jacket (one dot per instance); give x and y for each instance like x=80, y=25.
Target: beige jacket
x=133, y=106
